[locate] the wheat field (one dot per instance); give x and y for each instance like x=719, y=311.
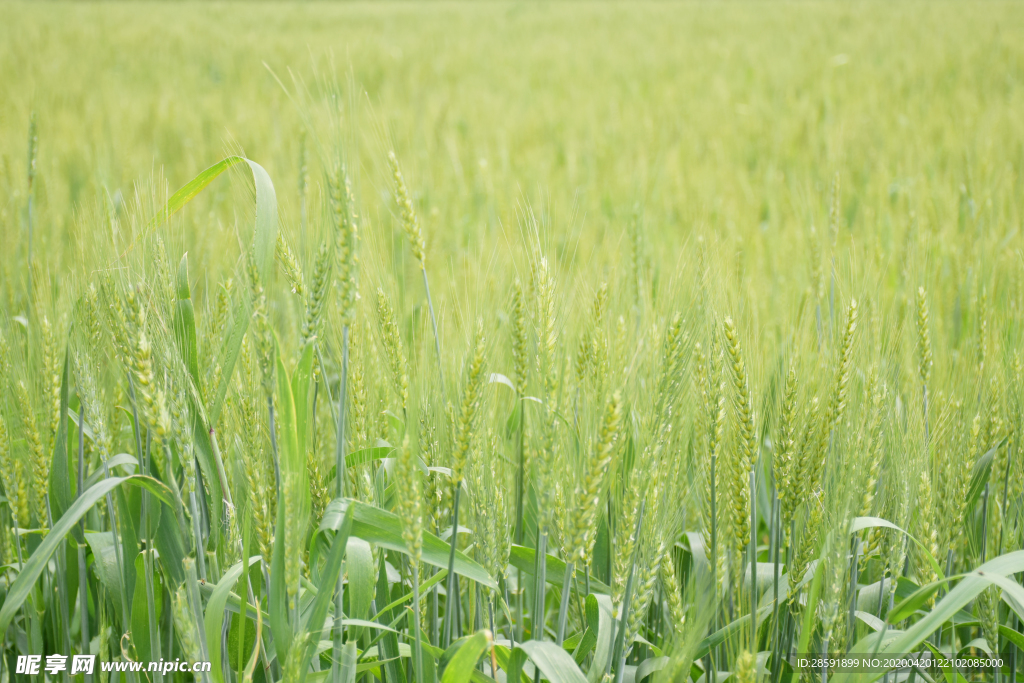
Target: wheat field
x=511, y=341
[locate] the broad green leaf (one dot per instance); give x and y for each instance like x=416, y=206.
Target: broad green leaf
x=980, y=474
x=141, y=636
x=947, y=672
x=185, y=325
x=384, y=529
x=349, y=655
x=214, y=616
x=301, y=382
x=129, y=514
x=128, y=462
x=293, y=460
x=101, y=544
x=363, y=456
x=366, y=623
x=512, y=663
x=170, y=545
x=601, y=622
x=388, y=641
x=461, y=666
x=861, y=523
x=264, y=240
x=990, y=573
x=554, y=662
x=976, y=644
x=501, y=379
x=811, y=608
x=522, y=558
x=582, y=646
x=1015, y=637
x=234, y=602
x=328, y=582
x=293, y=469
x=359, y=567
x=913, y=602
x=266, y=206
x=871, y=620
x=231, y=348
x=60, y=470
x=277, y=599
x=572, y=642
x=211, y=467
x=649, y=666
x=1013, y=593
x=34, y=566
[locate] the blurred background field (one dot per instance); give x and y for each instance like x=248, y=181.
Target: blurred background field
x=726, y=117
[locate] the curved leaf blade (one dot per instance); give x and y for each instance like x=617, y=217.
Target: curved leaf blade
x=384, y=529
x=462, y=665
x=34, y=566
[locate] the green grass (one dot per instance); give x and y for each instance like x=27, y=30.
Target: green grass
x=636, y=258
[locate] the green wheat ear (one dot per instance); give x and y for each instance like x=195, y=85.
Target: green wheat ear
x=470, y=405
x=742, y=461
x=39, y=462
x=184, y=623
x=345, y=221
x=13, y=478
x=410, y=221
x=785, y=449
x=587, y=496
x=394, y=350
x=924, y=342
x=520, y=360
x=746, y=668
x=410, y=500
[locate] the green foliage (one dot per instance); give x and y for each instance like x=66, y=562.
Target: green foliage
x=617, y=232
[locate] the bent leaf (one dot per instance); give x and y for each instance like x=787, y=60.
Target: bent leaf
x=34, y=566
x=463, y=663
x=384, y=528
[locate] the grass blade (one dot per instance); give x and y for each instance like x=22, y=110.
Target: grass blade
x=34, y=566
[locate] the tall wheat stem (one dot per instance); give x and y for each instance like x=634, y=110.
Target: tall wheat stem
x=520, y=495
x=433, y=323
x=452, y=587
x=228, y=502
x=83, y=576
x=540, y=585
x=563, y=606
x=147, y=561
x=196, y=601
x=200, y=550
x=777, y=627
x=340, y=477
x=154, y=634
x=417, y=645
x=851, y=628
x=111, y=513
x=222, y=475
x=619, y=652
x=753, y=563
x=711, y=667
x=62, y=584
x=273, y=441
